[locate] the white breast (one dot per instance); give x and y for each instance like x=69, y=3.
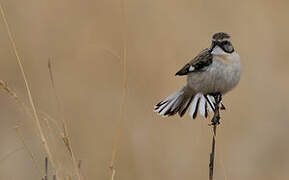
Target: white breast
x=221, y=76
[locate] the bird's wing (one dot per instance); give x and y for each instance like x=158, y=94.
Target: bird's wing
x=204, y=59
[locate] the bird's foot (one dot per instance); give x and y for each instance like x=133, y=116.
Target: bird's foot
x=218, y=105
x=215, y=121
x=222, y=106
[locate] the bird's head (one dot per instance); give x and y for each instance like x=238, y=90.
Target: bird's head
x=221, y=44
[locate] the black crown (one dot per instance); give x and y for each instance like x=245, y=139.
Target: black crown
x=220, y=36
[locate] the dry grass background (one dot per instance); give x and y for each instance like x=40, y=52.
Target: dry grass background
x=84, y=39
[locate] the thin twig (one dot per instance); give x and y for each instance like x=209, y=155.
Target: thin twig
x=65, y=137
x=46, y=117
x=2, y=159
x=32, y=156
x=59, y=107
x=46, y=168
x=110, y=52
x=212, y=155
x=214, y=122
x=19, y=61
x=124, y=84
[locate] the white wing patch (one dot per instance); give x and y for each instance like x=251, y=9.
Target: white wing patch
x=192, y=68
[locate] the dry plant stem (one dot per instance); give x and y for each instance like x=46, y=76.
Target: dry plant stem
x=46, y=168
x=10, y=154
x=212, y=155
x=124, y=84
x=214, y=122
x=27, y=87
x=65, y=137
x=14, y=96
x=64, y=122
x=27, y=148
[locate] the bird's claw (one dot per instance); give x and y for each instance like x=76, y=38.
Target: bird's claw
x=215, y=121
x=222, y=106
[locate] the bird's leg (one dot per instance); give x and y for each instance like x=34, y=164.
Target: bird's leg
x=216, y=119
x=222, y=106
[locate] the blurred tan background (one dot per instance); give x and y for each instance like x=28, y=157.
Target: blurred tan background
x=84, y=40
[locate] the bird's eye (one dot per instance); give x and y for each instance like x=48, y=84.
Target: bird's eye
x=227, y=46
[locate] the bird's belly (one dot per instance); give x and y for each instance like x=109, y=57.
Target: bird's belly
x=218, y=78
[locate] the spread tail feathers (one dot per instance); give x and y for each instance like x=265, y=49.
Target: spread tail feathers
x=179, y=102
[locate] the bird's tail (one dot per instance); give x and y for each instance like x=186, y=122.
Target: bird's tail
x=180, y=101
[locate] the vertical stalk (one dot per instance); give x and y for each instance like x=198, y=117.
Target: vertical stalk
x=214, y=122
x=31, y=101
x=124, y=89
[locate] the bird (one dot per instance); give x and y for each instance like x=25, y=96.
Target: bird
x=214, y=71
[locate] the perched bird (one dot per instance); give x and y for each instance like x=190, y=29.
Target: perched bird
x=216, y=70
